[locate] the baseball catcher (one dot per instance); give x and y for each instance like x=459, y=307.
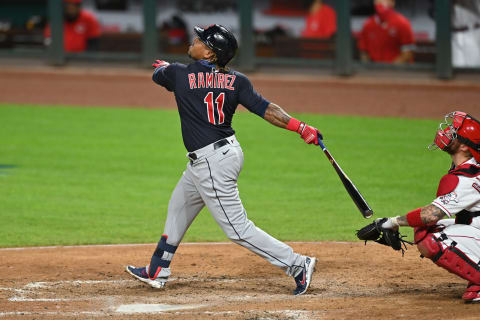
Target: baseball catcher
x=453, y=244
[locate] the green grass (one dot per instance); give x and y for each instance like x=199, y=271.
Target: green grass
x=100, y=175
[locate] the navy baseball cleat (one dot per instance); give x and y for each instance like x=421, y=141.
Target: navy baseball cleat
x=305, y=277
x=142, y=275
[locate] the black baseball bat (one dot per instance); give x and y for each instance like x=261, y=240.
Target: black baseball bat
x=356, y=196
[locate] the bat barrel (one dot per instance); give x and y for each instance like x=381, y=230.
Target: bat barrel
x=352, y=190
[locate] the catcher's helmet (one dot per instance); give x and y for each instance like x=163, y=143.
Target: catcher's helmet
x=220, y=40
x=461, y=126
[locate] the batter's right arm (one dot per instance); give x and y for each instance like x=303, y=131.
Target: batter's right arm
x=278, y=117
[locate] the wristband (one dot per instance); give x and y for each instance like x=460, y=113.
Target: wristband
x=414, y=219
x=293, y=124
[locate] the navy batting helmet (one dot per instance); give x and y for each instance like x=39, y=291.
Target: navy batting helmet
x=220, y=40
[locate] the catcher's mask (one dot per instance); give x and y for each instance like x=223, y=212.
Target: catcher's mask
x=462, y=126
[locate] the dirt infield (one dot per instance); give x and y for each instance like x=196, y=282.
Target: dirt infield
x=225, y=281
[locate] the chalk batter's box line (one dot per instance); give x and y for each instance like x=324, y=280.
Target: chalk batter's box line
x=154, y=244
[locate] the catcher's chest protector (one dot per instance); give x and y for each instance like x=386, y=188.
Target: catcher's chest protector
x=459, y=193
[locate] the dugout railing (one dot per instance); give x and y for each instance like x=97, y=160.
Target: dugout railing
x=341, y=62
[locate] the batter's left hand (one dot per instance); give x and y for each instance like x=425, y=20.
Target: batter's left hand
x=308, y=133
x=160, y=63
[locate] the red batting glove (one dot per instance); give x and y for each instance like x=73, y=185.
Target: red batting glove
x=160, y=63
x=308, y=133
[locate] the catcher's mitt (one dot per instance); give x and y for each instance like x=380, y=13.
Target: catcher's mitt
x=387, y=237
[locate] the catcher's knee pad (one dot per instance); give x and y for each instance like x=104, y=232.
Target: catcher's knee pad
x=419, y=234
x=161, y=258
x=422, y=232
x=428, y=244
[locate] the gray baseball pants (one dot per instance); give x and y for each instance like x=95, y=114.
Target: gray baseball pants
x=211, y=179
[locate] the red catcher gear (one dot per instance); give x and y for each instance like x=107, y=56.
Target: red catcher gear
x=472, y=293
x=450, y=258
x=461, y=126
x=447, y=184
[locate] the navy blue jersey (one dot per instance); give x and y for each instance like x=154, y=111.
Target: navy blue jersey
x=207, y=99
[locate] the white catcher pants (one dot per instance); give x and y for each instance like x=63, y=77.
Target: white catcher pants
x=467, y=238
x=211, y=180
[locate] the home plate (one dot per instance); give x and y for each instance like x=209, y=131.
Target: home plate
x=153, y=308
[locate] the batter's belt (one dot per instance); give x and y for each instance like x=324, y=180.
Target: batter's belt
x=214, y=146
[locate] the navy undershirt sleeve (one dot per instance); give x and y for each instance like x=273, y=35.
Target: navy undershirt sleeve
x=165, y=77
x=250, y=99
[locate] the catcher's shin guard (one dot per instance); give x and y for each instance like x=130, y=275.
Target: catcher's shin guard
x=450, y=258
x=161, y=258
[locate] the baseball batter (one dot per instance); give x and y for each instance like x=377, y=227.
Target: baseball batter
x=453, y=244
x=207, y=95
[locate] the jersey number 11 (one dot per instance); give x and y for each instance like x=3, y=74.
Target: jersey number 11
x=219, y=103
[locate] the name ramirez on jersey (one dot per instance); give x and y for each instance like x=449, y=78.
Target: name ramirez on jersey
x=207, y=100
x=211, y=80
